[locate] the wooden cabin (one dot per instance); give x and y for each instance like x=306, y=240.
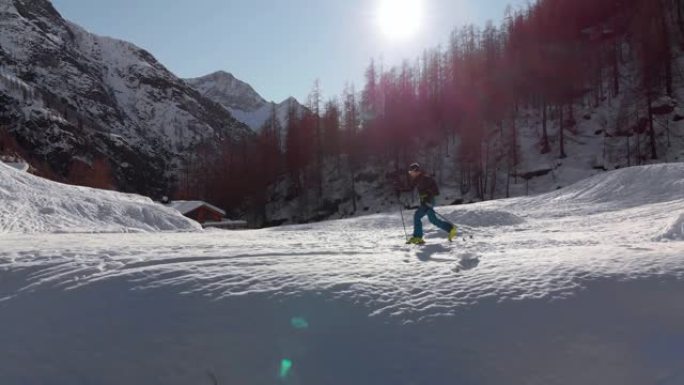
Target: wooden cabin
x=199, y=211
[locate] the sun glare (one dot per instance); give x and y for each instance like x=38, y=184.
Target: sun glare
x=400, y=19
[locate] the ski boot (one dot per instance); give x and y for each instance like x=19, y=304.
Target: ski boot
x=415, y=241
x=452, y=233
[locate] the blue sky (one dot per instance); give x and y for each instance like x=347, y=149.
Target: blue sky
x=278, y=46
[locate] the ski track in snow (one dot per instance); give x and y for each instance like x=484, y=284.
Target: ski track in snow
x=545, y=254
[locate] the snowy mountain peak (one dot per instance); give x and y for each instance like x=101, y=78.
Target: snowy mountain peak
x=222, y=75
x=229, y=91
x=242, y=100
x=291, y=99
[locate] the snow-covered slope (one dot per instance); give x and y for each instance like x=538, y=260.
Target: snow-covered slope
x=68, y=93
x=579, y=286
x=617, y=189
x=29, y=204
x=242, y=101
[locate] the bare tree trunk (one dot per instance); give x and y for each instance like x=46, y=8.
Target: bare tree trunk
x=448, y=135
x=514, y=148
x=493, y=184
x=601, y=87
x=638, y=150
x=572, y=109
x=629, y=153
x=668, y=55
x=603, y=155
x=562, y=154
x=668, y=75
x=545, y=136
x=680, y=16
x=508, y=180
x=651, y=130
x=485, y=172
x=616, y=69
x=667, y=129
x=353, y=186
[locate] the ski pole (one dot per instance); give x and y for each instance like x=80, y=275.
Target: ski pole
x=432, y=207
x=401, y=211
x=442, y=217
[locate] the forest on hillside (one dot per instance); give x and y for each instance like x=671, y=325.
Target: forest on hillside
x=464, y=99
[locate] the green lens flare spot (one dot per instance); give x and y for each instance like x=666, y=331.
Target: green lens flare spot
x=299, y=323
x=285, y=367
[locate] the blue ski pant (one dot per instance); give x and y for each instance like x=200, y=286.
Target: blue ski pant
x=422, y=211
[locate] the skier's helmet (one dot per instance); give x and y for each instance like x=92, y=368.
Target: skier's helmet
x=414, y=167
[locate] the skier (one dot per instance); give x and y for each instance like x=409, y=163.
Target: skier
x=427, y=190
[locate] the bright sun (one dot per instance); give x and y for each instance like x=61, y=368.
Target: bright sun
x=400, y=19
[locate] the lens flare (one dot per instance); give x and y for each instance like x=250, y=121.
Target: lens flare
x=285, y=367
x=299, y=323
x=400, y=19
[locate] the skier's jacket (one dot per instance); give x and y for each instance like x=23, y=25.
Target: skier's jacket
x=426, y=186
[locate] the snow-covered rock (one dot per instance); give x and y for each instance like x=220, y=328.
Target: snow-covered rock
x=30, y=204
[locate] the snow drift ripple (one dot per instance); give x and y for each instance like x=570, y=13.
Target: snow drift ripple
x=30, y=204
x=484, y=218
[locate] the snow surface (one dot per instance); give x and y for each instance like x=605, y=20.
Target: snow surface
x=30, y=204
x=580, y=286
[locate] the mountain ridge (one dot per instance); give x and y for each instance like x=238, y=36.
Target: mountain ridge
x=87, y=89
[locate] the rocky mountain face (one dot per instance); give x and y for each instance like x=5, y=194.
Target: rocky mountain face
x=242, y=100
x=68, y=96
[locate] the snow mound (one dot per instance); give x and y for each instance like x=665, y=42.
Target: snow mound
x=624, y=188
x=484, y=218
x=467, y=261
x=30, y=204
x=674, y=232
x=21, y=166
